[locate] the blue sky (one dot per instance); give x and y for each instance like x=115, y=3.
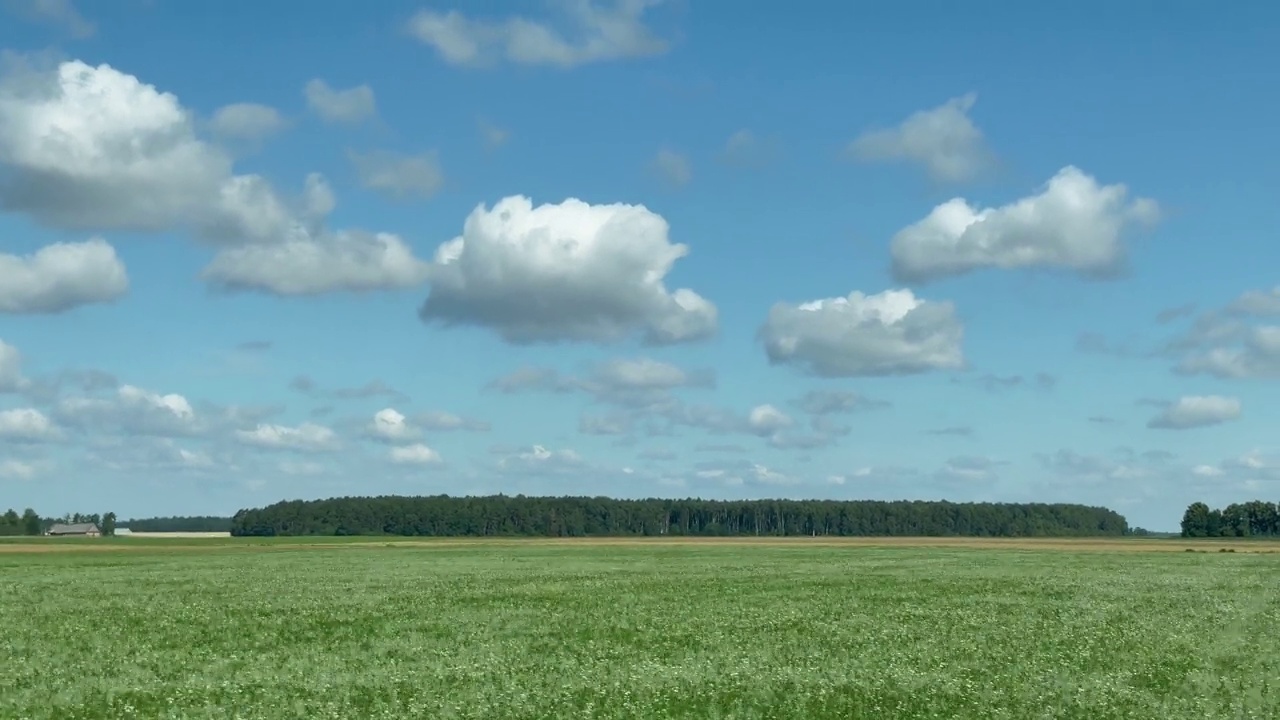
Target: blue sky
x=897, y=250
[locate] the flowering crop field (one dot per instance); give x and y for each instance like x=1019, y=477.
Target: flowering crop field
x=534, y=631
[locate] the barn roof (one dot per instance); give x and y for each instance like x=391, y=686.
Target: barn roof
x=72, y=529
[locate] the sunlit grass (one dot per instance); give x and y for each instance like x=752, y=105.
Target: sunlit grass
x=527, y=631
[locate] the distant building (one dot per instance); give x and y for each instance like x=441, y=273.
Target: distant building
x=82, y=529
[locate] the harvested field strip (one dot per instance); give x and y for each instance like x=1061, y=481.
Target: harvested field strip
x=159, y=542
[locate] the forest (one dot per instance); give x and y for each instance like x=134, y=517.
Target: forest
x=196, y=523
x=31, y=523
x=1256, y=518
x=502, y=515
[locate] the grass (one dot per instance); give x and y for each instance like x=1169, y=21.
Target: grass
x=529, y=630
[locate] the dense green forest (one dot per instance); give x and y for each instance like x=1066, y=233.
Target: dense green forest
x=443, y=515
x=1257, y=518
x=30, y=522
x=199, y=523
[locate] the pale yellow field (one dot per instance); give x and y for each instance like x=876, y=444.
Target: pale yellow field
x=179, y=534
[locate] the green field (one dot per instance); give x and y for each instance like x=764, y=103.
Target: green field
x=506, y=631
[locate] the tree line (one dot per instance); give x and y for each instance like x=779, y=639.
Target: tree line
x=443, y=515
x=195, y=523
x=1256, y=518
x=31, y=523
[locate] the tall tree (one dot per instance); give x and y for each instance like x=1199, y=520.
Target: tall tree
x=31, y=524
x=109, y=524
x=1195, y=521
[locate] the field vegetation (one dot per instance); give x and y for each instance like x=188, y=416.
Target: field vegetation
x=785, y=628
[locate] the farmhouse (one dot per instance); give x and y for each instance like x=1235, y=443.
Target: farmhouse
x=83, y=529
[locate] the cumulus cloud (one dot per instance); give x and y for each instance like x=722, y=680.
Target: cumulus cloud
x=674, y=168
x=1207, y=471
x=1195, y=411
x=890, y=333
x=246, y=121
x=27, y=424
x=305, y=437
x=60, y=277
x=93, y=148
x=132, y=411
x=566, y=272
x=391, y=424
x=351, y=106
x=538, y=458
x=591, y=33
x=768, y=420
x=1073, y=223
x=1232, y=343
x=743, y=473
x=415, y=454
x=351, y=261
x=399, y=176
x=943, y=140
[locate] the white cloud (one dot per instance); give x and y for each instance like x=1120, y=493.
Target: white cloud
x=566, y=272
x=390, y=424
x=399, y=176
x=348, y=107
x=306, y=437
x=11, y=379
x=767, y=420
x=745, y=473
x=597, y=34
x=86, y=147
x=943, y=139
x=132, y=411
x=673, y=167
x=27, y=424
x=416, y=454
x=246, y=121
x=55, y=12
x=1229, y=343
x=17, y=470
x=1195, y=411
x=347, y=260
x=1207, y=471
x=61, y=276
x=539, y=458
x=1073, y=223
x=890, y=333
x=93, y=148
